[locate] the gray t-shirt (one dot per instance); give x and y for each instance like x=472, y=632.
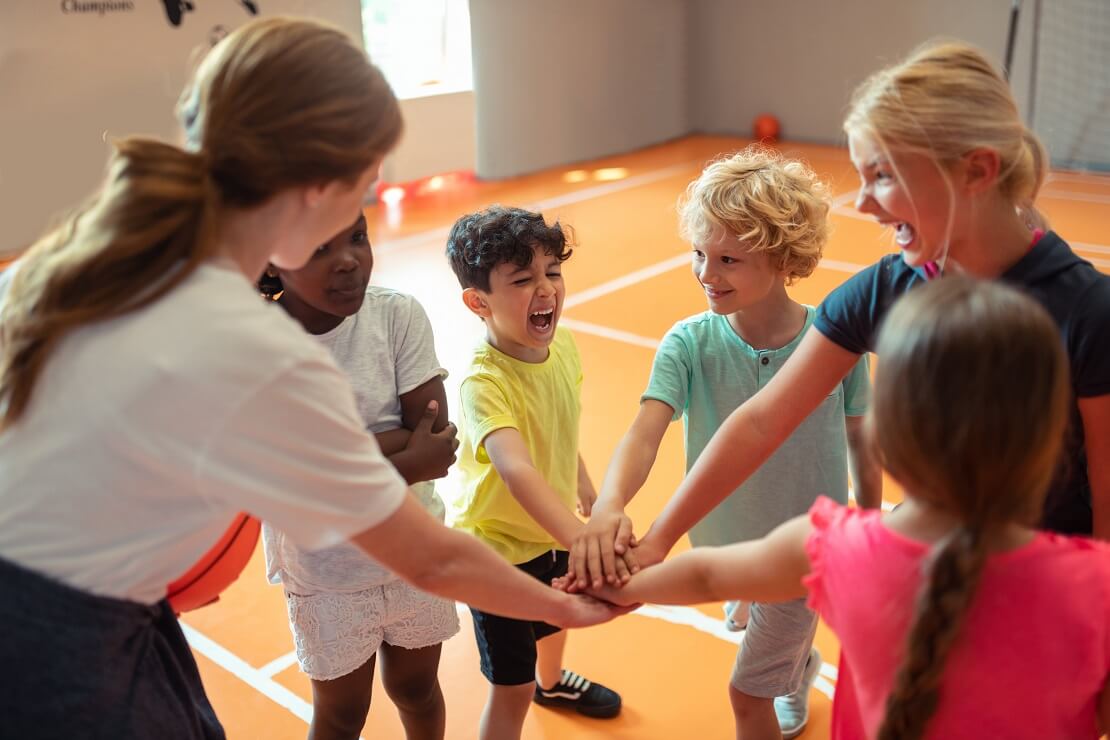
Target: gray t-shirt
x=704, y=371
x=387, y=349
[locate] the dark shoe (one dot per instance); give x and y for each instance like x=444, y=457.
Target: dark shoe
x=581, y=695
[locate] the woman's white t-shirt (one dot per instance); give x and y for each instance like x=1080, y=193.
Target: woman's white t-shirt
x=146, y=434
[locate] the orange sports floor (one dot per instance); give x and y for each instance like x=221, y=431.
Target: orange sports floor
x=627, y=282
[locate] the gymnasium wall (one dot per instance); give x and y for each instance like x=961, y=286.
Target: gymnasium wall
x=75, y=73
x=555, y=82
x=801, y=59
x=559, y=82
x=565, y=81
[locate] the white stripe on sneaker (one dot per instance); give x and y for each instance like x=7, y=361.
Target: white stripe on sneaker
x=562, y=695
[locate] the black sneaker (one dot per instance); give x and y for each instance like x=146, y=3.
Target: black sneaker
x=581, y=695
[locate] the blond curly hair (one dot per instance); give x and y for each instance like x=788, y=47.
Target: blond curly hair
x=771, y=204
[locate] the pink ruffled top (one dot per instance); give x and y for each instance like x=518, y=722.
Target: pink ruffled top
x=1031, y=659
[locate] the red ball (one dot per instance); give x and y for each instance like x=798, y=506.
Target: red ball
x=765, y=128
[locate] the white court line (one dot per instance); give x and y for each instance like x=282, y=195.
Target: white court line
x=691, y=617
x=438, y=235
x=253, y=677
x=680, y=615
x=1069, y=195
x=853, y=213
x=435, y=236
x=422, y=239
x=1075, y=245
x=261, y=680
x=624, y=281
x=1077, y=177
x=844, y=199
x=279, y=664
x=616, y=335
x=671, y=263
x=822, y=684
x=840, y=265
x=1090, y=247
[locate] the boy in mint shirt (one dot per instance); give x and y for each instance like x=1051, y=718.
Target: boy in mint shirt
x=757, y=222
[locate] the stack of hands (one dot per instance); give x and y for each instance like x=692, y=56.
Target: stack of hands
x=604, y=557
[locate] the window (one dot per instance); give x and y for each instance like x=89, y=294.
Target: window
x=422, y=46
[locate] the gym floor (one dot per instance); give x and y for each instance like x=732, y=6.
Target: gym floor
x=628, y=281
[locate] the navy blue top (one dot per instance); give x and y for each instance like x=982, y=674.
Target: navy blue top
x=1074, y=293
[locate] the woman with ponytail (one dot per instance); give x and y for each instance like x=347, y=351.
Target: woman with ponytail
x=147, y=396
x=958, y=618
x=946, y=163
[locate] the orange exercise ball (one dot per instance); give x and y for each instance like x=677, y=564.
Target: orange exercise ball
x=218, y=568
x=765, y=128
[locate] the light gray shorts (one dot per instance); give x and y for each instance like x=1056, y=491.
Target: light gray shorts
x=776, y=645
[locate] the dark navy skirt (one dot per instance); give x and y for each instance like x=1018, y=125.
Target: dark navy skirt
x=74, y=665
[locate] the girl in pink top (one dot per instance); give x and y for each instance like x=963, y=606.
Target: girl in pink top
x=956, y=619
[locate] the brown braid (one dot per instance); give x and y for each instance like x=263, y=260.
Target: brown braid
x=942, y=604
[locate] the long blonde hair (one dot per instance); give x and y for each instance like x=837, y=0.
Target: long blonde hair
x=279, y=103
x=945, y=100
x=970, y=405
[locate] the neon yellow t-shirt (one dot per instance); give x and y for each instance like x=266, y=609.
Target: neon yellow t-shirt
x=541, y=401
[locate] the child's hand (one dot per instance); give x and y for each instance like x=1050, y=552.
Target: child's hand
x=605, y=539
x=586, y=611
x=610, y=594
x=625, y=566
x=562, y=583
x=614, y=595
x=586, y=499
x=649, y=551
x=433, y=453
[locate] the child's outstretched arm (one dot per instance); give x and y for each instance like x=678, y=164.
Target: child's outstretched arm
x=867, y=475
x=595, y=553
x=748, y=437
x=510, y=457
x=768, y=569
x=457, y=566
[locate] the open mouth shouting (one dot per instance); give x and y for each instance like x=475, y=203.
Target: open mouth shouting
x=542, y=322
x=904, y=235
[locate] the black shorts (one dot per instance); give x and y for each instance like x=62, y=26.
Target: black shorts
x=508, y=646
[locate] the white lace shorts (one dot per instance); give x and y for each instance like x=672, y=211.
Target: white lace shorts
x=335, y=633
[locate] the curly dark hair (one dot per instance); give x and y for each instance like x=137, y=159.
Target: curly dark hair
x=480, y=241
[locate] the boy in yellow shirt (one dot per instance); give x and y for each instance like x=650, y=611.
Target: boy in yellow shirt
x=521, y=471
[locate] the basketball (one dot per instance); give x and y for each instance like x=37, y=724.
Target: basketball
x=765, y=128
x=218, y=568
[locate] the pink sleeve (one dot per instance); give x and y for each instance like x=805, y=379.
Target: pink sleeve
x=823, y=514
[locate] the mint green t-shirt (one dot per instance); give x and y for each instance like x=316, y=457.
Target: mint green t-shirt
x=704, y=371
